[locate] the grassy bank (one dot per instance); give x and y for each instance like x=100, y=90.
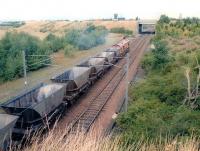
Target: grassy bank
x=166, y=102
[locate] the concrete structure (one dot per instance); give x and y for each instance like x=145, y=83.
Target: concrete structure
x=146, y=26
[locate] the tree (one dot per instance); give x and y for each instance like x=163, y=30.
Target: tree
x=54, y=43
x=11, y=47
x=164, y=19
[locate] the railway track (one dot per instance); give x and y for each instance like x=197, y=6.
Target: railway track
x=77, y=109
x=84, y=121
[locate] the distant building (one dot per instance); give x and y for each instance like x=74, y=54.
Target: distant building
x=115, y=16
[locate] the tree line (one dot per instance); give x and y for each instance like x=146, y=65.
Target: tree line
x=38, y=51
x=187, y=27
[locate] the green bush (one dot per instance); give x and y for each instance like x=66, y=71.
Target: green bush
x=164, y=19
x=87, y=38
x=54, y=43
x=160, y=53
x=11, y=47
x=69, y=50
x=72, y=36
x=153, y=120
x=121, y=30
x=147, y=62
x=167, y=87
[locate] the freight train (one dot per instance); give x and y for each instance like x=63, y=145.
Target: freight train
x=40, y=106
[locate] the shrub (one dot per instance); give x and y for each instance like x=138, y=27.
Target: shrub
x=148, y=61
x=166, y=87
x=160, y=54
x=86, y=39
x=153, y=120
x=54, y=43
x=164, y=19
x=121, y=30
x=72, y=36
x=69, y=50
x=12, y=45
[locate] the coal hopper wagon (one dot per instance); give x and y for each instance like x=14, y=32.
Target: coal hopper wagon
x=7, y=122
x=36, y=108
x=116, y=50
x=96, y=65
x=110, y=58
x=76, y=81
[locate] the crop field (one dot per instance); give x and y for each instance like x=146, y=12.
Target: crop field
x=60, y=63
x=42, y=28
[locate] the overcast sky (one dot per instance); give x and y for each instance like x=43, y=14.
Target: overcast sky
x=92, y=9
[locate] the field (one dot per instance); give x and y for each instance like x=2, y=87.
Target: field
x=60, y=63
x=42, y=28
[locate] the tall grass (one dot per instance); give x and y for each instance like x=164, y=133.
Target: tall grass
x=56, y=140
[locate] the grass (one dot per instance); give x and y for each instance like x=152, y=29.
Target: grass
x=12, y=88
x=57, y=141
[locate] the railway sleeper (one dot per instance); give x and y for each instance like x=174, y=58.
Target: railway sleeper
x=91, y=113
x=95, y=108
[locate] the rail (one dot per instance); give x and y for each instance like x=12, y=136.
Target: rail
x=84, y=121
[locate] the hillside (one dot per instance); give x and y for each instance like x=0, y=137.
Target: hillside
x=42, y=28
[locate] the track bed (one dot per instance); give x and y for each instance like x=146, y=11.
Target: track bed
x=93, y=109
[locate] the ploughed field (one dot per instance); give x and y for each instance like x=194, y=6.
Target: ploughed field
x=94, y=109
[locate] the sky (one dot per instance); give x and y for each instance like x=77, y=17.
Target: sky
x=95, y=9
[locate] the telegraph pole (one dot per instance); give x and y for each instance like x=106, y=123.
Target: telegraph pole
x=24, y=67
x=127, y=81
